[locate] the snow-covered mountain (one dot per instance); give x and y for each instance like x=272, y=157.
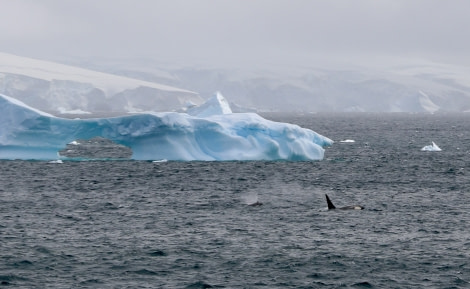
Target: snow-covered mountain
x=59, y=88
x=399, y=90
x=393, y=85
x=401, y=85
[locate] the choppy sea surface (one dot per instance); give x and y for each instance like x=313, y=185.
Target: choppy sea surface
x=132, y=224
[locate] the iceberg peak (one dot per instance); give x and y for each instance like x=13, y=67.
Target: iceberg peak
x=14, y=105
x=215, y=105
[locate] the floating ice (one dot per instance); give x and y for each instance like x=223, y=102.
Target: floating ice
x=160, y=161
x=26, y=133
x=347, y=141
x=431, y=148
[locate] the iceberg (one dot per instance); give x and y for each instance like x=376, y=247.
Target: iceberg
x=214, y=106
x=431, y=148
x=28, y=133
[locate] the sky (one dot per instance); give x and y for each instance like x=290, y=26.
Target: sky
x=236, y=30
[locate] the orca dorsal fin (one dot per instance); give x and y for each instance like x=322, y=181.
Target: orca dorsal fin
x=330, y=204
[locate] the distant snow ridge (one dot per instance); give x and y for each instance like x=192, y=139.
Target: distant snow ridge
x=427, y=103
x=408, y=85
x=26, y=133
x=66, y=89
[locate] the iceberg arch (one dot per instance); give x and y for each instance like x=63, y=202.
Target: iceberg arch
x=27, y=133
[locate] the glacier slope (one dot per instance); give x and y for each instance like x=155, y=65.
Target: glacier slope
x=363, y=84
x=26, y=133
x=63, y=88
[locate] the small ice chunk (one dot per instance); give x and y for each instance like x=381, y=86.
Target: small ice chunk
x=431, y=148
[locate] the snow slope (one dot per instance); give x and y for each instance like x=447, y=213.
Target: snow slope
x=369, y=84
x=61, y=88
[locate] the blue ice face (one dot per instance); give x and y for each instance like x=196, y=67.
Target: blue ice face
x=26, y=133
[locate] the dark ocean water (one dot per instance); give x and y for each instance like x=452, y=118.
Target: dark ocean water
x=129, y=224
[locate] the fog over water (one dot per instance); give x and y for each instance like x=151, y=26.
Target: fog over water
x=226, y=31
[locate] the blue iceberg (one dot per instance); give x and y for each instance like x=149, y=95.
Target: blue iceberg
x=27, y=133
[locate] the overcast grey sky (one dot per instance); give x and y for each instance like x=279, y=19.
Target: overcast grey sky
x=236, y=29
